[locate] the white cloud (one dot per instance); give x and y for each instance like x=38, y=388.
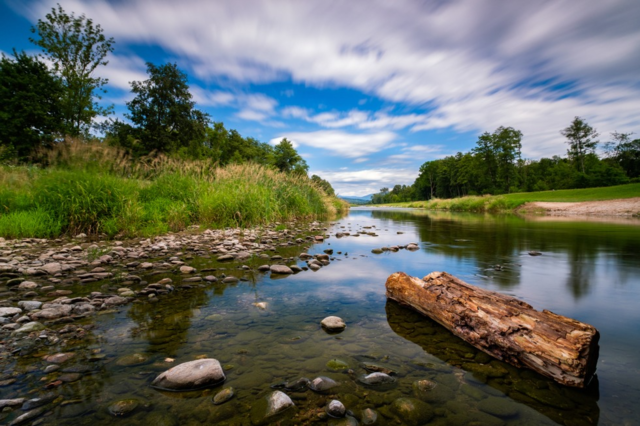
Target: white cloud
x=363, y=182
x=477, y=64
x=350, y=145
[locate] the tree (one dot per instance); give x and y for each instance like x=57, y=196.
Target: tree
x=581, y=139
x=75, y=47
x=325, y=185
x=163, y=112
x=287, y=159
x=625, y=152
x=29, y=105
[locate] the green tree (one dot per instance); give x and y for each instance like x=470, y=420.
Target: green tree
x=75, y=47
x=287, y=159
x=582, y=141
x=29, y=105
x=163, y=112
x=325, y=185
x=625, y=152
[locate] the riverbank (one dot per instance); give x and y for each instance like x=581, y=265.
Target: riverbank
x=621, y=200
x=97, y=190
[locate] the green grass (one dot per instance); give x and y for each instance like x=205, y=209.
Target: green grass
x=510, y=202
x=150, y=198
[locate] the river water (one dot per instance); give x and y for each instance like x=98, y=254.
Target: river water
x=266, y=330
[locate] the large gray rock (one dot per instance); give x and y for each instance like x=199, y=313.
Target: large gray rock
x=30, y=305
x=191, y=375
x=9, y=312
x=52, y=268
x=52, y=312
x=281, y=269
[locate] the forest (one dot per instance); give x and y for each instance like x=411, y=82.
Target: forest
x=495, y=166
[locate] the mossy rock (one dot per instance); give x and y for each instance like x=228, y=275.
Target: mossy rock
x=337, y=364
x=499, y=407
x=412, y=411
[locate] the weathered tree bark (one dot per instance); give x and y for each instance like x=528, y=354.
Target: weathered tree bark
x=506, y=328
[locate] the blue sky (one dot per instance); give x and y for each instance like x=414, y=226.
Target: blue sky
x=368, y=90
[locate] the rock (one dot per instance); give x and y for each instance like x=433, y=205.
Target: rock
x=52, y=268
x=335, y=409
x=115, y=300
x=38, y=402
x=337, y=364
x=497, y=406
x=319, y=238
x=264, y=268
x=52, y=312
x=373, y=368
x=377, y=378
x=334, y=324
x=230, y=280
x=123, y=407
x=225, y=258
x=29, y=327
x=83, y=308
x=184, y=269
x=58, y=358
x=273, y=404
x=298, y=385
x=280, y=269
x=30, y=305
x=145, y=265
x=27, y=285
x=322, y=384
x=28, y=416
x=423, y=386
x=11, y=402
x=133, y=359
x=191, y=375
x=376, y=251
x=210, y=278
x=223, y=396
x=535, y=253
x=412, y=247
x=412, y=411
x=9, y=312
x=369, y=416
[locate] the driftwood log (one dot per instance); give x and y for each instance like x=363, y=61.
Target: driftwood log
x=506, y=328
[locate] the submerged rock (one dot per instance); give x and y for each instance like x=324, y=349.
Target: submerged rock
x=369, y=416
x=298, y=385
x=333, y=323
x=322, y=384
x=270, y=406
x=337, y=364
x=374, y=379
x=191, y=375
x=223, y=396
x=412, y=411
x=335, y=409
x=123, y=407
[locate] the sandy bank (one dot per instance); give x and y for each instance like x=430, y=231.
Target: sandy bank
x=621, y=207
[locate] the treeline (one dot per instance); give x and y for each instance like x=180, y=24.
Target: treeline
x=495, y=166
x=40, y=106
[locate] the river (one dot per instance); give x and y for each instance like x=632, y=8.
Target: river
x=266, y=330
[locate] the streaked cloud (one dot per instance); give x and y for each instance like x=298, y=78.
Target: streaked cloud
x=350, y=145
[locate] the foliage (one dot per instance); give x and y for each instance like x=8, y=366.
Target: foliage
x=625, y=153
x=286, y=158
x=75, y=47
x=324, y=185
x=582, y=141
x=95, y=188
x=163, y=112
x=29, y=106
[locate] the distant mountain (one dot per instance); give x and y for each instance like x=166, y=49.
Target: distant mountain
x=366, y=199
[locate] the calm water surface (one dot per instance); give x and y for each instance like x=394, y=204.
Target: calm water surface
x=588, y=270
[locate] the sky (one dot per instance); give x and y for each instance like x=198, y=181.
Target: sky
x=369, y=90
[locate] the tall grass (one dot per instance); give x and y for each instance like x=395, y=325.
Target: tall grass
x=98, y=189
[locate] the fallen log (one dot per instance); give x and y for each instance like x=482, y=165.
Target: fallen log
x=504, y=327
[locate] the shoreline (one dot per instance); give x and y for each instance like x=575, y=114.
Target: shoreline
x=624, y=207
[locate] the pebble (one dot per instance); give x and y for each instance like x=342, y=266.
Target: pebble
x=335, y=409
x=333, y=324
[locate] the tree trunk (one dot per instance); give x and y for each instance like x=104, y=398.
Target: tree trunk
x=506, y=328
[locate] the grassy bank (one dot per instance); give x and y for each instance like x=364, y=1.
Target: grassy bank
x=98, y=190
x=510, y=202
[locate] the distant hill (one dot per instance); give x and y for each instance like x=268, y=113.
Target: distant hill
x=352, y=199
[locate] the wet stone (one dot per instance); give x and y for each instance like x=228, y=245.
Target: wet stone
x=223, y=396
x=335, y=409
x=123, y=407
x=132, y=360
x=270, y=406
x=500, y=407
x=333, y=324
x=337, y=364
x=412, y=411
x=191, y=375
x=58, y=358
x=322, y=384
x=369, y=416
